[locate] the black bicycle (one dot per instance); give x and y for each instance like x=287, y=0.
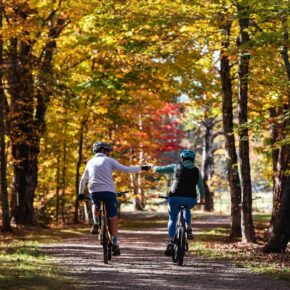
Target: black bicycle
x=105, y=234
x=105, y=237
x=180, y=236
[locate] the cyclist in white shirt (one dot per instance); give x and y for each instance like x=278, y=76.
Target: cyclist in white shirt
x=98, y=174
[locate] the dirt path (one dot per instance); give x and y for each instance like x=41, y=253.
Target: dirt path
x=142, y=265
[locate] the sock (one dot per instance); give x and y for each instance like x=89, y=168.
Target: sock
x=114, y=240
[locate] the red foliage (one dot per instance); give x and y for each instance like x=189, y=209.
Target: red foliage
x=165, y=129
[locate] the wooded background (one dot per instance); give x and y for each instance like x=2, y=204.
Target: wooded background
x=149, y=77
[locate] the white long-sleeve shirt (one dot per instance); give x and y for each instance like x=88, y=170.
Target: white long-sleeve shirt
x=98, y=173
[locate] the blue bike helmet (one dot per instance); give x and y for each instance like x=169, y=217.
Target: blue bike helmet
x=101, y=147
x=187, y=154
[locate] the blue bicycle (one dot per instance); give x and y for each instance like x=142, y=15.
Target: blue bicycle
x=180, y=236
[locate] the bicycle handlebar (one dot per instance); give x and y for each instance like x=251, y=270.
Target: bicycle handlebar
x=163, y=196
x=120, y=193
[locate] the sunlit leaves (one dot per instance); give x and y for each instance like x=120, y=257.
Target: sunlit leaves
x=119, y=63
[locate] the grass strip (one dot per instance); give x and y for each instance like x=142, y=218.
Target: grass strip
x=23, y=264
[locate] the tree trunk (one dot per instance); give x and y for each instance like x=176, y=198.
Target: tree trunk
x=20, y=82
x=208, y=162
x=78, y=166
x=140, y=198
x=280, y=223
x=280, y=235
x=248, y=231
x=138, y=193
x=63, y=185
x=140, y=177
x=27, y=119
x=57, y=189
x=231, y=155
x=3, y=170
x=80, y=158
x=275, y=135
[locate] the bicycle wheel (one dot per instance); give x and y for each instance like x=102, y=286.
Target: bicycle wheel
x=101, y=229
x=109, y=250
x=180, y=246
x=173, y=257
x=105, y=241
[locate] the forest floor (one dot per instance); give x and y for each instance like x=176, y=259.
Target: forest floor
x=210, y=264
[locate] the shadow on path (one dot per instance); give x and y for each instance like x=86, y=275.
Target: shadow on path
x=142, y=265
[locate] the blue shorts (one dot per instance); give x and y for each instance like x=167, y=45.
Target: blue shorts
x=110, y=200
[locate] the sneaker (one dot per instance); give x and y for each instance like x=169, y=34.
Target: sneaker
x=169, y=249
x=116, y=250
x=94, y=229
x=190, y=234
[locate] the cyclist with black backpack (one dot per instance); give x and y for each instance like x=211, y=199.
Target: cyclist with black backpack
x=98, y=174
x=186, y=178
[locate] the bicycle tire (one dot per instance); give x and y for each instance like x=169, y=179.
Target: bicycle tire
x=109, y=251
x=101, y=230
x=105, y=241
x=173, y=257
x=180, y=246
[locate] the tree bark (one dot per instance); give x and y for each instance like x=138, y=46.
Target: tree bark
x=227, y=109
x=140, y=198
x=57, y=189
x=135, y=187
x=276, y=132
x=78, y=166
x=248, y=231
x=280, y=235
x=80, y=158
x=208, y=162
x=27, y=119
x=63, y=185
x=3, y=171
x=280, y=223
x=20, y=82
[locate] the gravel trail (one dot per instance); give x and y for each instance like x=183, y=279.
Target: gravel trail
x=142, y=265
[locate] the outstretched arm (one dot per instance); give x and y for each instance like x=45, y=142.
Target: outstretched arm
x=165, y=169
x=121, y=167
